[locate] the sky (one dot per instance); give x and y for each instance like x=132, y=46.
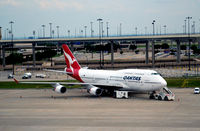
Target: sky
x=73, y=15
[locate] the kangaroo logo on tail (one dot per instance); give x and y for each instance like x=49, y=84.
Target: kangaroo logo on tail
x=73, y=66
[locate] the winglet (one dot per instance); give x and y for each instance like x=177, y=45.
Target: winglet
x=16, y=81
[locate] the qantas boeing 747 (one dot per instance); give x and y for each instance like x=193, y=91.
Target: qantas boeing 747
x=98, y=82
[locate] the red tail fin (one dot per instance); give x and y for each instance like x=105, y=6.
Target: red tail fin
x=16, y=81
x=70, y=59
x=72, y=64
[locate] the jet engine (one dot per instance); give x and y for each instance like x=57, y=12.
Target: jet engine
x=95, y=91
x=59, y=88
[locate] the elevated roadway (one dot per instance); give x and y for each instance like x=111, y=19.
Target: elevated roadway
x=180, y=37
x=147, y=39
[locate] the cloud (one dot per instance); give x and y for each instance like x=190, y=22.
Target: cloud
x=59, y=4
x=10, y=2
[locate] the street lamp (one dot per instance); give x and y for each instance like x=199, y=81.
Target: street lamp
x=145, y=30
x=57, y=30
x=68, y=33
x=107, y=28
x=199, y=25
x=120, y=29
x=50, y=24
x=100, y=38
x=7, y=34
x=91, y=29
x=101, y=43
x=153, y=27
x=81, y=33
x=153, y=53
x=136, y=31
x=53, y=33
x=34, y=34
x=165, y=30
x=193, y=27
x=183, y=29
x=188, y=18
x=185, y=26
x=102, y=29
x=11, y=32
x=0, y=34
x=85, y=31
x=43, y=30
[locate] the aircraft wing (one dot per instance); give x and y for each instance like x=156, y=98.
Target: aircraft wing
x=100, y=85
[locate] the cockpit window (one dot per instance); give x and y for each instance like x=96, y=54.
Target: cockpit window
x=155, y=74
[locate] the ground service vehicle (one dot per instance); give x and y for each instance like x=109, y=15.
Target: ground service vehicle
x=164, y=94
x=196, y=90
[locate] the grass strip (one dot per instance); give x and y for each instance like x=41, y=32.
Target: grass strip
x=171, y=82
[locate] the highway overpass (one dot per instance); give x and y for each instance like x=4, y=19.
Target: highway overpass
x=147, y=39
x=174, y=37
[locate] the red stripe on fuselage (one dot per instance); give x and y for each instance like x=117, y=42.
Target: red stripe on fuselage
x=76, y=75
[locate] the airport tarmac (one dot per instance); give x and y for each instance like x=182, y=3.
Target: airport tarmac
x=43, y=109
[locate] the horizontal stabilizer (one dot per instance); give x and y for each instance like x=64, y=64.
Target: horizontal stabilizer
x=58, y=71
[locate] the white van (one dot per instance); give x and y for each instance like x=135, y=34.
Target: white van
x=196, y=90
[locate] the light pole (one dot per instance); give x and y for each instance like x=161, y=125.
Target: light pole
x=145, y=30
x=136, y=31
x=7, y=34
x=101, y=43
x=81, y=33
x=53, y=33
x=194, y=27
x=199, y=25
x=57, y=31
x=85, y=31
x=100, y=39
x=43, y=26
x=153, y=52
x=160, y=30
x=68, y=33
x=91, y=29
x=75, y=32
x=107, y=28
x=120, y=29
x=102, y=29
x=11, y=31
x=188, y=18
x=153, y=23
x=50, y=25
x=34, y=34
x=185, y=26
x=165, y=30
x=0, y=33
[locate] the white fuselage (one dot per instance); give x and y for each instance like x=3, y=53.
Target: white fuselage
x=130, y=79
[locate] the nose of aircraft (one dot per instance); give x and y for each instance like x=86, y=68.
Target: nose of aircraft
x=163, y=82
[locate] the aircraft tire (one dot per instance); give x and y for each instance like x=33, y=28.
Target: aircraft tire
x=160, y=98
x=166, y=98
x=151, y=97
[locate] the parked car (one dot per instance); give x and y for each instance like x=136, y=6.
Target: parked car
x=196, y=90
x=10, y=76
x=40, y=76
x=27, y=75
